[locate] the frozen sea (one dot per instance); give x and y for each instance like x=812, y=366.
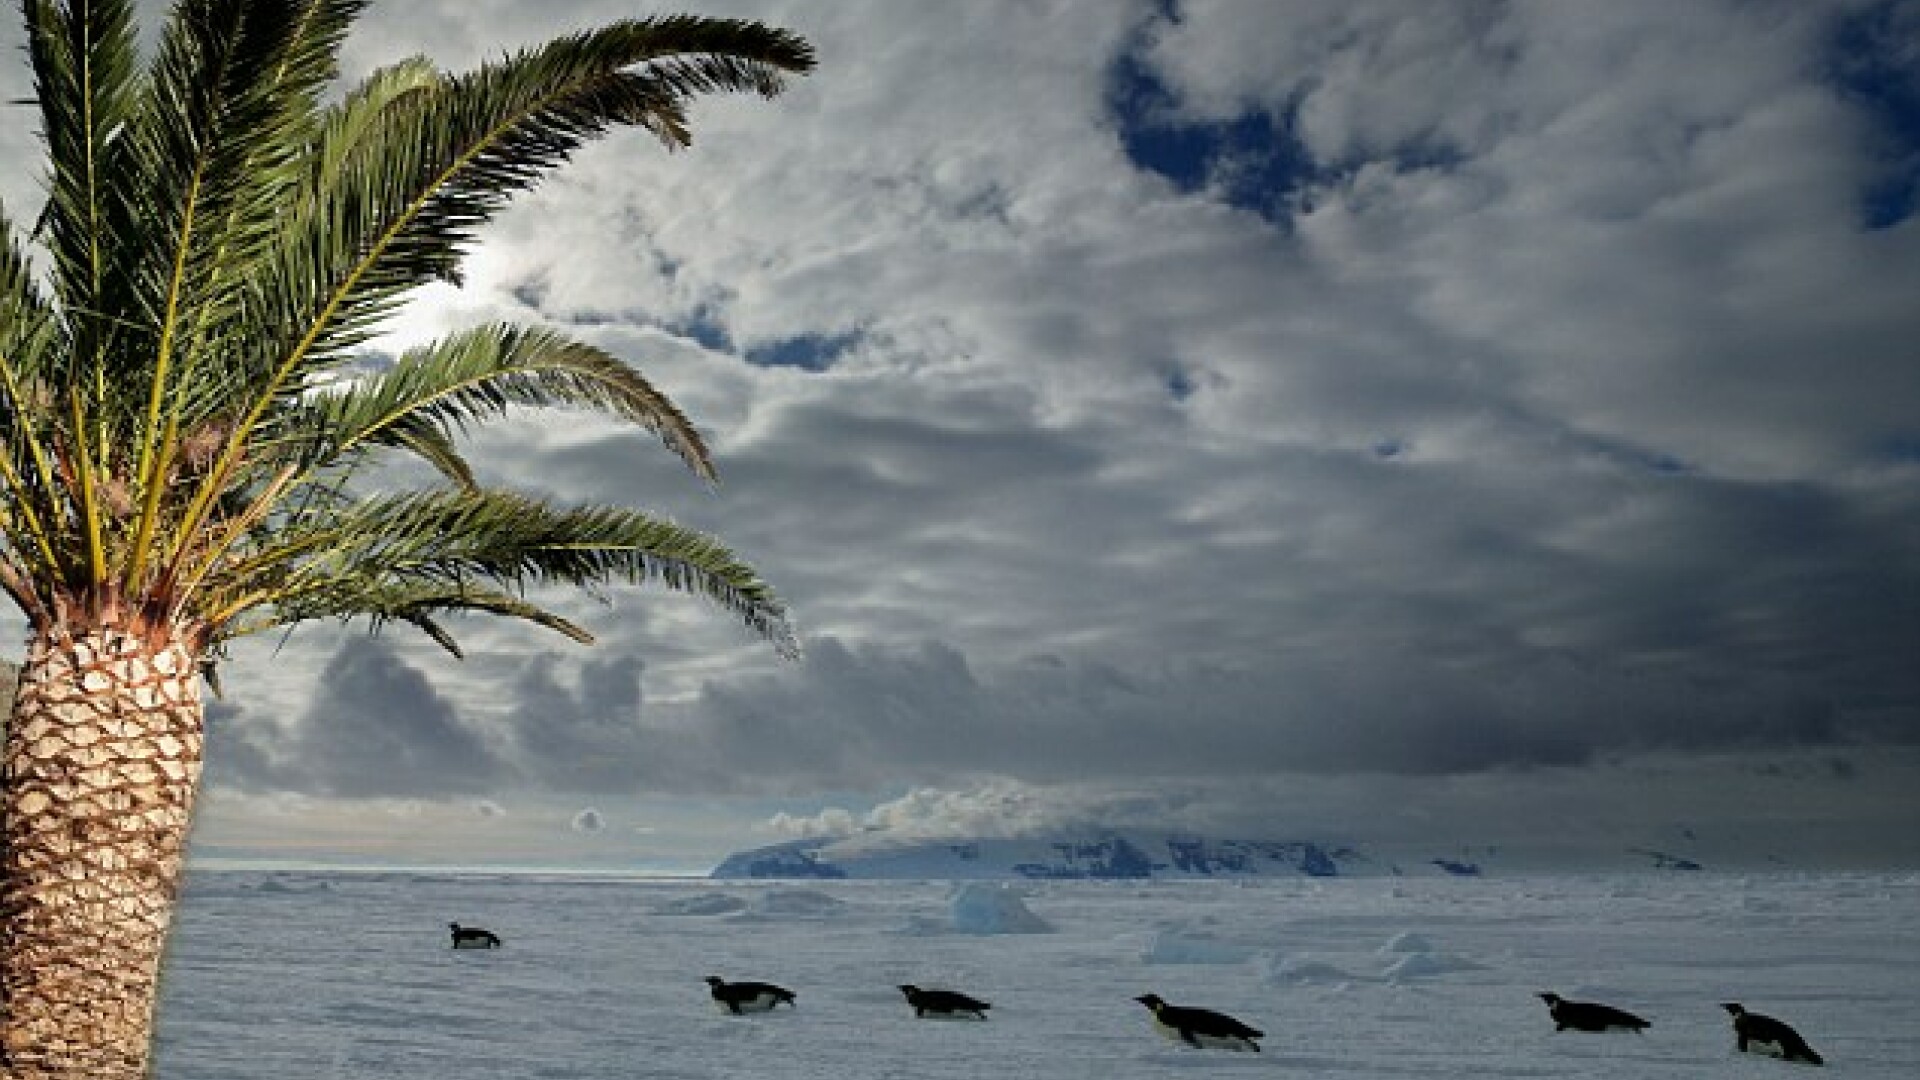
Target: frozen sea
x=305, y=976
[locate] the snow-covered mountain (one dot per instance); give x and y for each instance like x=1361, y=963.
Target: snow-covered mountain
x=1121, y=854
x=1111, y=855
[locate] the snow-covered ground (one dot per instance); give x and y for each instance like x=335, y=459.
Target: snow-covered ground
x=289, y=976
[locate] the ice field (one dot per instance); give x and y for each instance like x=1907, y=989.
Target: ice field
x=300, y=976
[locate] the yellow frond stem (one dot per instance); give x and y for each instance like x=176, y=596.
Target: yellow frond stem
x=89, y=496
x=246, y=519
x=156, y=482
x=32, y=520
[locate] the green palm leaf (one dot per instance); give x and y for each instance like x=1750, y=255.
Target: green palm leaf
x=84, y=55
x=480, y=373
x=415, y=603
x=432, y=166
x=448, y=539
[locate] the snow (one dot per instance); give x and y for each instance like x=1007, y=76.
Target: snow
x=1101, y=855
x=1407, y=942
x=980, y=907
x=702, y=904
x=795, y=904
x=329, y=976
x=1181, y=945
x=1282, y=970
x=1423, y=965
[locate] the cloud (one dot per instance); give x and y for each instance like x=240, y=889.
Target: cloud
x=1558, y=409
x=1693, y=803
x=582, y=737
x=377, y=727
x=861, y=716
x=833, y=821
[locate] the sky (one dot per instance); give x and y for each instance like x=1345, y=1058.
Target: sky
x=1458, y=422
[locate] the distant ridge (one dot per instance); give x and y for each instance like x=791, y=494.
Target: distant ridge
x=1143, y=855
x=1107, y=856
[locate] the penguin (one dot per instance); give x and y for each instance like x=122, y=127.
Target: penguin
x=1765, y=1035
x=1200, y=1027
x=472, y=937
x=1590, y=1015
x=746, y=997
x=945, y=1004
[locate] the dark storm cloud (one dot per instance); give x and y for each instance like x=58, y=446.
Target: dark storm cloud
x=1424, y=618
x=858, y=716
x=584, y=736
x=375, y=726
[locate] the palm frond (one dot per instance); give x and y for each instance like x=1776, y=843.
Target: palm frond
x=29, y=331
x=344, y=125
x=455, y=537
x=414, y=603
x=176, y=446
x=85, y=56
x=481, y=372
x=430, y=444
x=21, y=301
x=234, y=87
x=31, y=499
x=437, y=165
x=223, y=147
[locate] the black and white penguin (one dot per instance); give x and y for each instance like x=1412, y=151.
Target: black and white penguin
x=1765, y=1035
x=943, y=1004
x=1200, y=1027
x=746, y=997
x=1590, y=1015
x=472, y=937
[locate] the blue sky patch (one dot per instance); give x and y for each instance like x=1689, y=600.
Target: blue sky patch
x=705, y=329
x=1181, y=385
x=531, y=292
x=1876, y=67
x=1254, y=161
x=808, y=352
x=1902, y=448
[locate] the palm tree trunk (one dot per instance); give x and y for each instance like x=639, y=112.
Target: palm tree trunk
x=101, y=762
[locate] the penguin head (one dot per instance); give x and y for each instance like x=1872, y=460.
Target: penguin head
x=1151, y=1001
x=1735, y=1008
x=716, y=981
x=909, y=989
x=1550, y=997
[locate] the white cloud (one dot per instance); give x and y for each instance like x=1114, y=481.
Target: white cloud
x=832, y=821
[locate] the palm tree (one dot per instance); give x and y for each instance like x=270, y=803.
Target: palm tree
x=192, y=450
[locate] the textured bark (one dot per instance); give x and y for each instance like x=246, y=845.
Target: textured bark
x=102, y=757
